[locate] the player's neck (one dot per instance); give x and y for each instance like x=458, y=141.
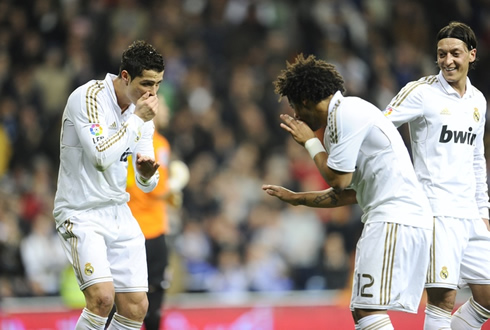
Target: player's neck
x=459, y=86
x=121, y=98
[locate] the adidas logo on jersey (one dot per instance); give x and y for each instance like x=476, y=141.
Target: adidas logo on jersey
x=457, y=136
x=445, y=111
x=113, y=125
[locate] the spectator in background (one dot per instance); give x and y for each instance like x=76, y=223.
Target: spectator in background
x=6, y=151
x=230, y=276
x=335, y=265
x=43, y=257
x=300, y=254
x=11, y=266
x=195, y=250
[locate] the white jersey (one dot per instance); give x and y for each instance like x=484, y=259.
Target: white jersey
x=446, y=133
x=361, y=140
x=96, y=140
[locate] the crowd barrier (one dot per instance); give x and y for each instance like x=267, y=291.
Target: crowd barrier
x=272, y=311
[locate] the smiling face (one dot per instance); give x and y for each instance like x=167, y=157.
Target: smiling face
x=454, y=58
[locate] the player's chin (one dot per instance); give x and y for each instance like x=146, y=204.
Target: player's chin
x=314, y=126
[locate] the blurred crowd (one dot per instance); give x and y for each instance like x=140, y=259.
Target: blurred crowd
x=221, y=58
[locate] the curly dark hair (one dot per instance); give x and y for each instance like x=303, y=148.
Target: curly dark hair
x=462, y=32
x=308, y=79
x=141, y=56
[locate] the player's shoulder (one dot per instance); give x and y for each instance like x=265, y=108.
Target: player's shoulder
x=88, y=90
x=355, y=103
x=422, y=84
x=352, y=100
x=478, y=94
x=417, y=90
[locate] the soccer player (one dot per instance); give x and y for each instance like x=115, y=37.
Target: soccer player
x=105, y=121
x=364, y=160
x=446, y=118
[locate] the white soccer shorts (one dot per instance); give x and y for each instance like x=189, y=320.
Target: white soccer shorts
x=390, y=267
x=459, y=253
x=104, y=245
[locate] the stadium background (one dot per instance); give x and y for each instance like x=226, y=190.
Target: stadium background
x=222, y=56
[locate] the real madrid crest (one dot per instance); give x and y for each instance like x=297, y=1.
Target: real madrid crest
x=444, y=274
x=89, y=269
x=476, y=115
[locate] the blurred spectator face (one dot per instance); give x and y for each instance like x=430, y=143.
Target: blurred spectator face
x=163, y=115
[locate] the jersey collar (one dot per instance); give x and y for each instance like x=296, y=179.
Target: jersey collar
x=336, y=97
x=108, y=81
x=450, y=90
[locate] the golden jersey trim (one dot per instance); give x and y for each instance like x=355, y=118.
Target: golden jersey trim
x=332, y=124
x=91, y=101
x=106, y=144
x=410, y=87
x=388, y=262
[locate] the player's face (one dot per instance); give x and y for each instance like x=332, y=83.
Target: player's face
x=149, y=81
x=454, y=58
x=309, y=114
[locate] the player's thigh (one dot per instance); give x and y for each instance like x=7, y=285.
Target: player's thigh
x=450, y=240
x=475, y=265
x=390, y=268
x=127, y=255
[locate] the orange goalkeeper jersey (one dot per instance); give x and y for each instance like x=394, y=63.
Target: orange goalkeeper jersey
x=150, y=208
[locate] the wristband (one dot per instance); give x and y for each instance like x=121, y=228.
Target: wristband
x=142, y=180
x=314, y=146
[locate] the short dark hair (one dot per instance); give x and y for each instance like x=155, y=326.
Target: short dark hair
x=308, y=79
x=140, y=56
x=462, y=32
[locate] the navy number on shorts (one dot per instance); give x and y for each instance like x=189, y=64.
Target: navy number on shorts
x=362, y=289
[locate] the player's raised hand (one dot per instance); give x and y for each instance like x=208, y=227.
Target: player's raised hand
x=146, y=166
x=147, y=106
x=282, y=193
x=297, y=128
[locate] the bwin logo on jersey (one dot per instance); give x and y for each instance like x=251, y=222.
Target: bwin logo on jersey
x=457, y=136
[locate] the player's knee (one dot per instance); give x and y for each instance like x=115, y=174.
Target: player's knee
x=360, y=313
x=101, y=304
x=134, y=308
x=441, y=297
x=138, y=311
x=100, y=298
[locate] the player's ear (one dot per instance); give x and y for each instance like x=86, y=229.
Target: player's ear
x=125, y=77
x=472, y=55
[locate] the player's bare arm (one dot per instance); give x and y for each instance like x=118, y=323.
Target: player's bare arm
x=302, y=133
x=146, y=166
x=325, y=199
x=336, y=179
